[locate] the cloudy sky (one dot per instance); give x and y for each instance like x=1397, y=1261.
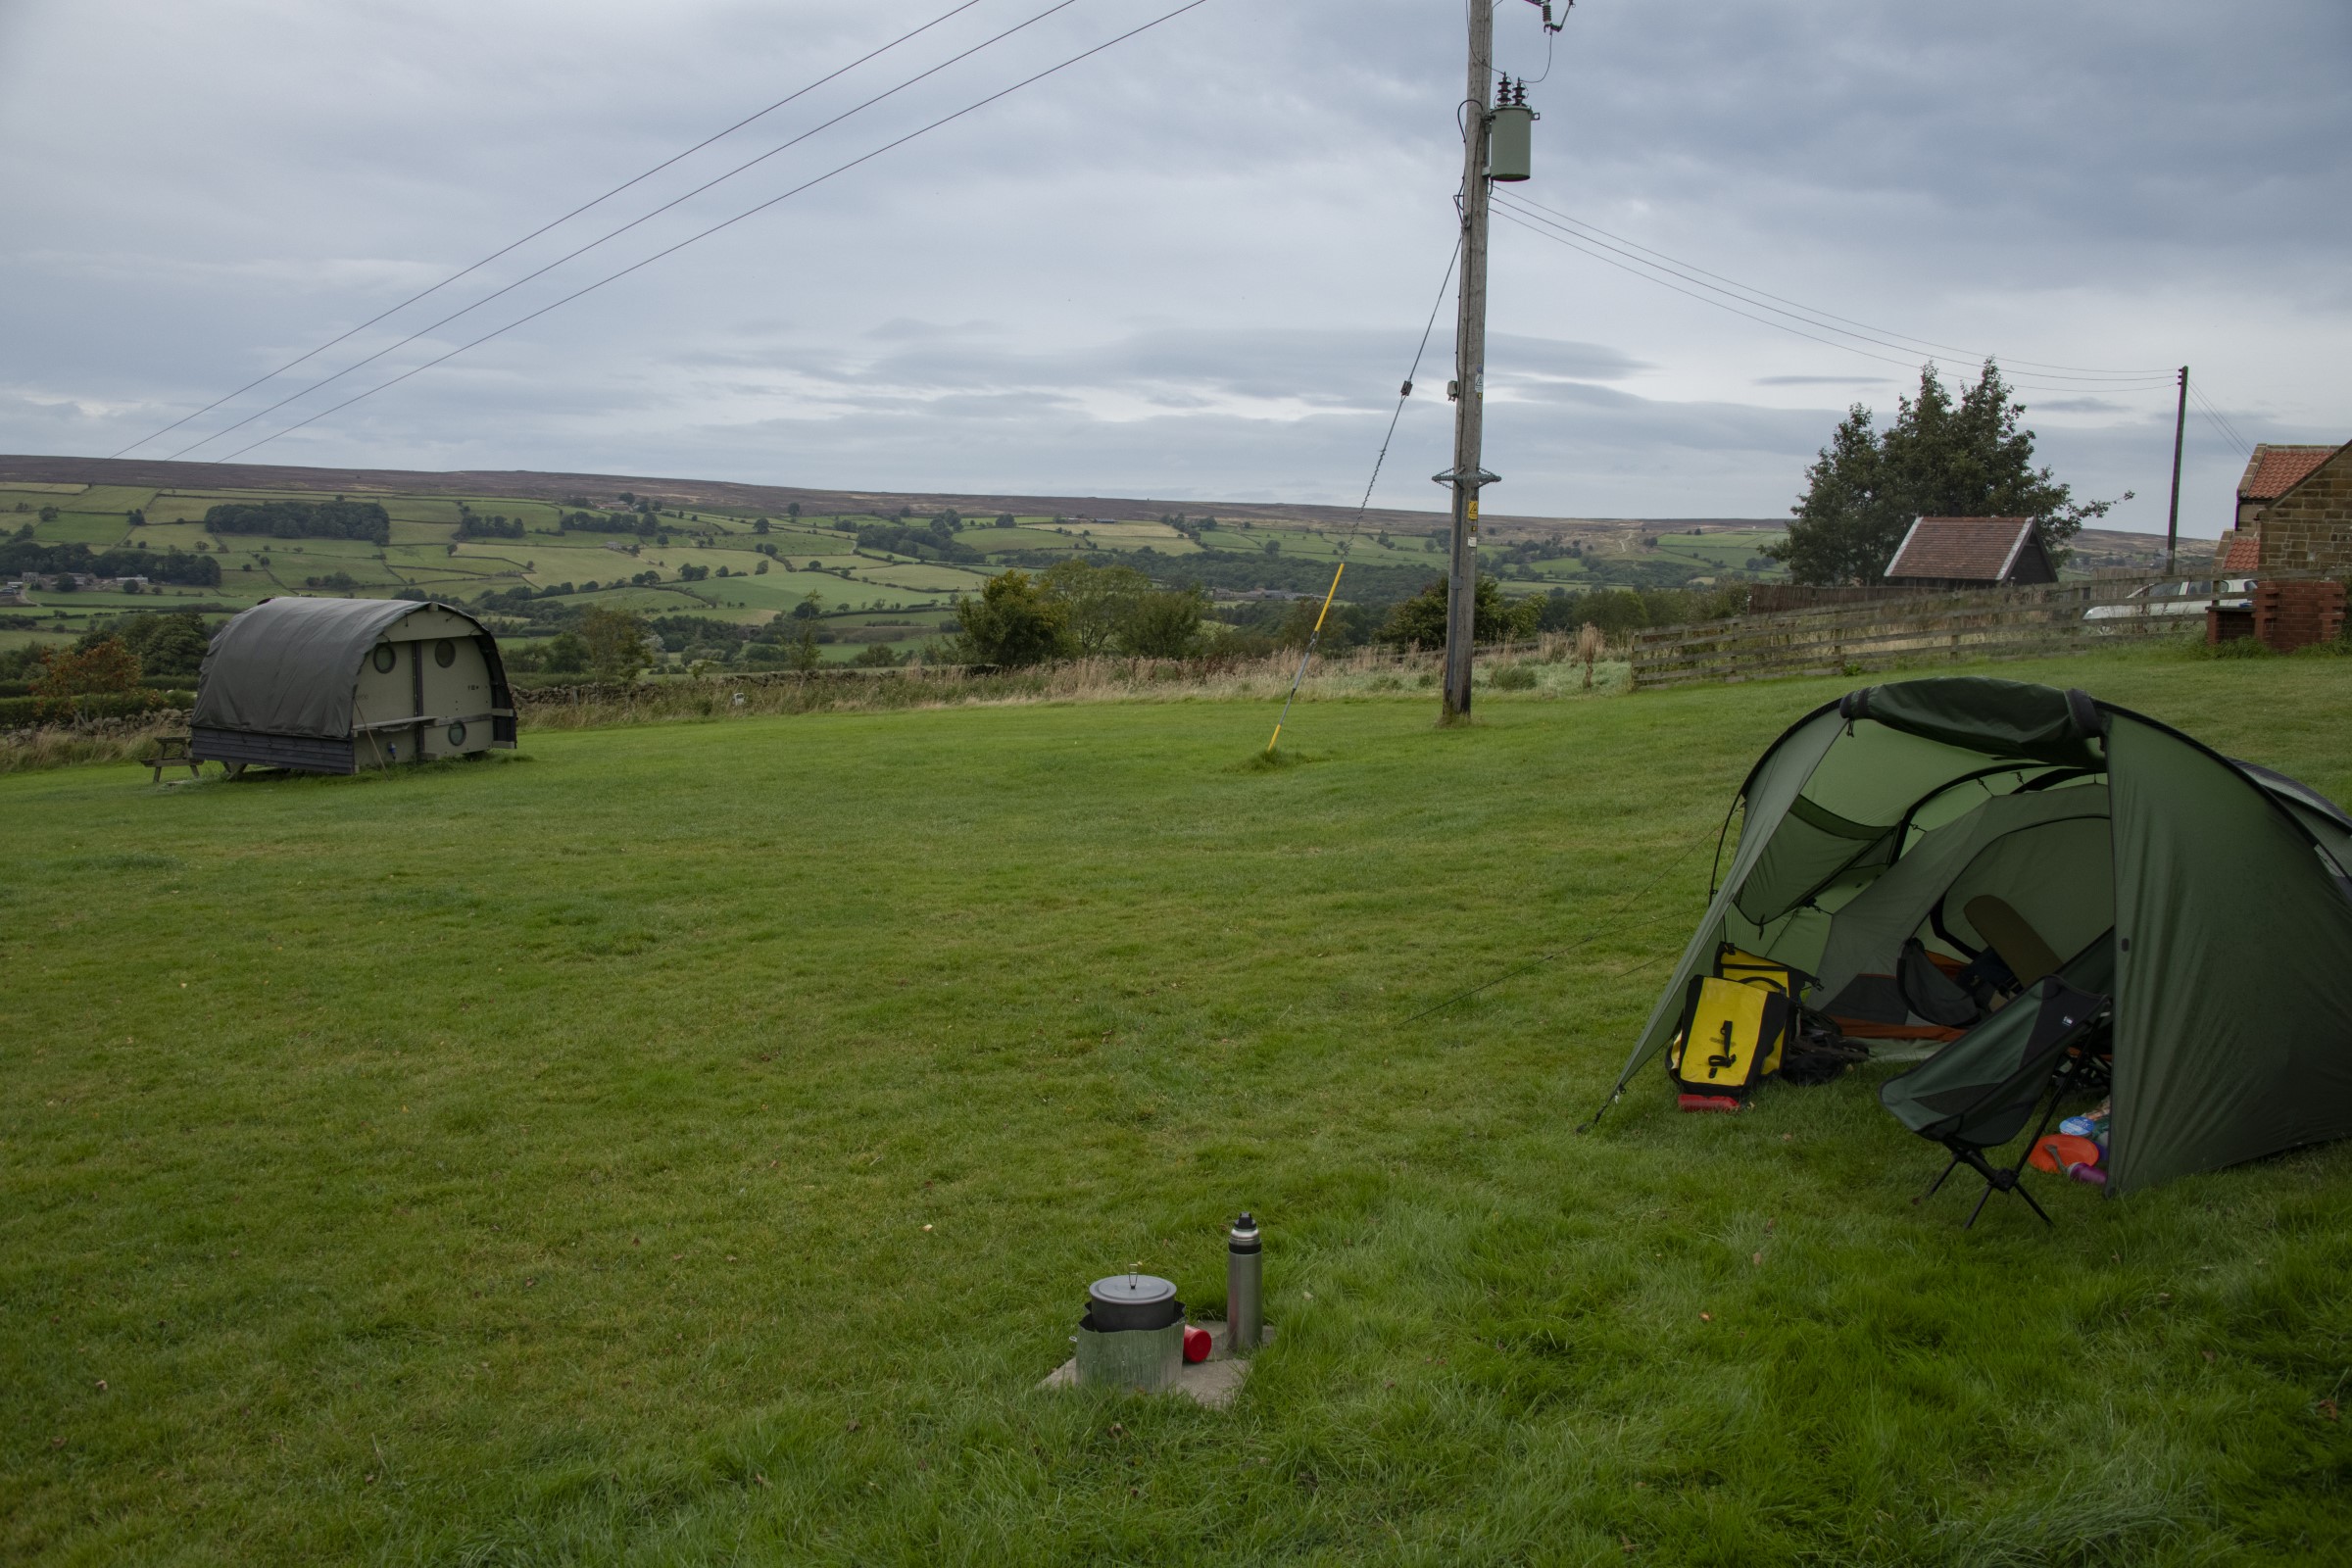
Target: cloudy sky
x=1195, y=265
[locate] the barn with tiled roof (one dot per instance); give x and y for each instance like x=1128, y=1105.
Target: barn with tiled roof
x=1970, y=553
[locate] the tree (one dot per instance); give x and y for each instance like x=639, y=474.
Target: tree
x=805, y=657
x=1096, y=601
x=1938, y=458
x=812, y=604
x=1345, y=626
x=792, y=508
x=877, y=656
x=759, y=525
x=66, y=677
x=1163, y=625
x=1421, y=620
x=1013, y=622
x=165, y=644
x=615, y=643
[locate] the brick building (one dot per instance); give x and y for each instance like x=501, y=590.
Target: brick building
x=2295, y=512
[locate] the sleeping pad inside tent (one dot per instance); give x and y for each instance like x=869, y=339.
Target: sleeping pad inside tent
x=1922, y=849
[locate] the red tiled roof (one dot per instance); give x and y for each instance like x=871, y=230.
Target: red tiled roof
x=1970, y=549
x=2241, y=551
x=2273, y=470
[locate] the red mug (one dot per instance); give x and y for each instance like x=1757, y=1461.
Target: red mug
x=1196, y=1344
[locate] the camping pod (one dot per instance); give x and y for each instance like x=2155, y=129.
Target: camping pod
x=335, y=685
x=1907, y=831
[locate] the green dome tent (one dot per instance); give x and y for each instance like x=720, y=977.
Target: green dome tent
x=2209, y=897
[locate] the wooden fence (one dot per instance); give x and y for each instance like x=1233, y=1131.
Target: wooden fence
x=1914, y=632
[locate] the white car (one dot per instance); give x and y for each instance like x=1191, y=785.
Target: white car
x=2177, y=599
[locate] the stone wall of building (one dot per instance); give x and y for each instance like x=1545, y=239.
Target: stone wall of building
x=2310, y=527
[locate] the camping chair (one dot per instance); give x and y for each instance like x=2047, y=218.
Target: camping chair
x=1979, y=1091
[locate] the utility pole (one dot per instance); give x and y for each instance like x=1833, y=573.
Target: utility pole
x=1469, y=368
x=2172, y=526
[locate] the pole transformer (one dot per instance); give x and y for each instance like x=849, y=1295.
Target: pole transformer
x=1469, y=366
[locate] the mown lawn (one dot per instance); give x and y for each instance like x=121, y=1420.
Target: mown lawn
x=691, y=1143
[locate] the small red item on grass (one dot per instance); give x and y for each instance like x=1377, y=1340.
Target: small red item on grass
x=1706, y=1103
x=1196, y=1344
x=2057, y=1150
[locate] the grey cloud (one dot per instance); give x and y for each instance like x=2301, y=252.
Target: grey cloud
x=1199, y=261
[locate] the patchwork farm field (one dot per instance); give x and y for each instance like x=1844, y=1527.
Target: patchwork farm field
x=691, y=1143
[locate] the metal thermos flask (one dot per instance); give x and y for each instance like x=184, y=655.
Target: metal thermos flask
x=1242, y=1281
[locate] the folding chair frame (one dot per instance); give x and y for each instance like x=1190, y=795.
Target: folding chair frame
x=1995, y=1178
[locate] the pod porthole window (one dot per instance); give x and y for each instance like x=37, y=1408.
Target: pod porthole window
x=386, y=656
x=444, y=653
x=457, y=732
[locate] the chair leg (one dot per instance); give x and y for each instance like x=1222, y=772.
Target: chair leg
x=1982, y=1198
x=2021, y=1192
x=1937, y=1183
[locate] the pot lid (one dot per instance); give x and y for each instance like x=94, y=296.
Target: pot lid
x=1132, y=1290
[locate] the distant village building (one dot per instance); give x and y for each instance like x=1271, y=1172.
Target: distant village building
x=1970, y=553
x=2295, y=512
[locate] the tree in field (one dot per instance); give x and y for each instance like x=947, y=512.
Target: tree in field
x=1421, y=620
x=68, y=676
x=804, y=655
x=1938, y=458
x=1164, y=625
x=1097, y=602
x=792, y=508
x=759, y=525
x=614, y=642
x=165, y=644
x=564, y=654
x=1013, y=623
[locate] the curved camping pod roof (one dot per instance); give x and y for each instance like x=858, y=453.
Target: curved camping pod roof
x=2233, y=913
x=291, y=666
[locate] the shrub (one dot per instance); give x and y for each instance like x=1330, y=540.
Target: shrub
x=1512, y=678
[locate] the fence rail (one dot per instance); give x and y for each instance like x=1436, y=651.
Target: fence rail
x=1918, y=629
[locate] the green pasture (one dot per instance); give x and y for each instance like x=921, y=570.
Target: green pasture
x=1727, y=550
x=167, y=536
x=691, y=1143
x=99, y=529
x=1002, y=541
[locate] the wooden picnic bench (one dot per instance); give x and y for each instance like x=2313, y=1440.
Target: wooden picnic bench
x=172, y=751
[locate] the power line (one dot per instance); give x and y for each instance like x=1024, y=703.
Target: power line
x=691, y=239
x=558, y=222
x=2219, y=421
x=1720, y=297
x=1710, y=298
x=1821, y=317
x=292, y=397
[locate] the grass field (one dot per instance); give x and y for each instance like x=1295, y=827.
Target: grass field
x=691, y=1143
